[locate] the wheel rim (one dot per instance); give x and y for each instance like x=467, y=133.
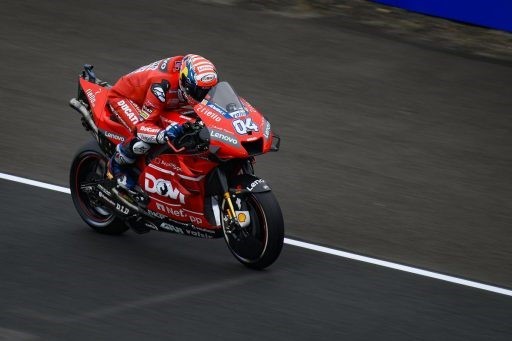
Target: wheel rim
x=90, y=168
x=249, y=249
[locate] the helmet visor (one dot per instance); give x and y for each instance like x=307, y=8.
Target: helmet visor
x=198, y=93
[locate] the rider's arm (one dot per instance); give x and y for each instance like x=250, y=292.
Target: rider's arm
x=149, y=129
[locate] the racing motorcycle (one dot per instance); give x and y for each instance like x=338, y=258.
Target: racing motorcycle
x=200, y=185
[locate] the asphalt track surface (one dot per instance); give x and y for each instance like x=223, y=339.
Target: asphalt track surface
x=389, y=149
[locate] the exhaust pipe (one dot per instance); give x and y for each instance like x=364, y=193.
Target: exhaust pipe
x=78, y=106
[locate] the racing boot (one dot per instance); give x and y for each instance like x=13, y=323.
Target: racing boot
x=120, y=167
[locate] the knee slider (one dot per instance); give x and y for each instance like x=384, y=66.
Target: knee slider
x=140, y=147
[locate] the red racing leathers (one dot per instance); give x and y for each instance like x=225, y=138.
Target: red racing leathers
x=138, y=98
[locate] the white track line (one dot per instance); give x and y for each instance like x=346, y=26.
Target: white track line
x=34, y=183
x=319, y=248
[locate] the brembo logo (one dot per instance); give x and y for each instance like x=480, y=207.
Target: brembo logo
x=223, y=137
x=128, y=111
x=163, y=188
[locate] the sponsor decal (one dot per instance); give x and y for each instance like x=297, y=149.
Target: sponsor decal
x=266, y=133
x=243, y=217
x=256, y=183
x=171, y=210
x=156, y=214
x=147, y=138
x=177, y=65
x=163, y=66
x=91, y=97
x=122, y=209
x=113, y=136
x=106, y=198
x=238, y=113
x=163, y=188
x=128, y=111
x=159, y=92
x=172, y=228
x=148, y=108
x=211, y=114
x=202, y=68
x=144, y=114
x=197, y=234
x=150, y=225
x=208, y=78
x=178, y=213
x=151, y=130
x=223, y=137
x=160, y=162
x=180, y=230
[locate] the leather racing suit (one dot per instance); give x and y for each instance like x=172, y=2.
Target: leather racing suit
x=138, y=99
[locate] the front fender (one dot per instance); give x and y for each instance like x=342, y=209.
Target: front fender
x=248, y=183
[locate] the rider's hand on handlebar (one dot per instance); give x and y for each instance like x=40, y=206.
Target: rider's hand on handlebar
x=172, y=132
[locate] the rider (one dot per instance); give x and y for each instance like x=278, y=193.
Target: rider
x=138, y=99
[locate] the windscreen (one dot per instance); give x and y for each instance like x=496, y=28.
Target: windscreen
x=225, y=98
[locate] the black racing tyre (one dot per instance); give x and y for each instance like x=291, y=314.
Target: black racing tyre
x=265, y=237
x=90, y=164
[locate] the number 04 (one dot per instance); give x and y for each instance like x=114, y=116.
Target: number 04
x=242, y=127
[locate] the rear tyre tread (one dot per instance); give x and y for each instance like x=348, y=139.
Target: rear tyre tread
x=111, y=225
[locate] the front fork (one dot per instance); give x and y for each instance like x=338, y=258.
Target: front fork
x=232, y=224
x=231, y=209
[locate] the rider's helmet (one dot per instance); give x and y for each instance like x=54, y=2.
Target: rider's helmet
x=197, y=77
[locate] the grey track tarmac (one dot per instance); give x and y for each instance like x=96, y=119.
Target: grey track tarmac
x=391, y=150
x=62, y=281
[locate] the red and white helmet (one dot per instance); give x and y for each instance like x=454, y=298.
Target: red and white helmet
x=197, y=76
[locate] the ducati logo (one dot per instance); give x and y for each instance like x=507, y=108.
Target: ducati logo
x=128, y=111
x=158, y=91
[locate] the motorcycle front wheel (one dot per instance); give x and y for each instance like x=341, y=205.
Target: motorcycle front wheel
x=258, y=245
x=90, y=165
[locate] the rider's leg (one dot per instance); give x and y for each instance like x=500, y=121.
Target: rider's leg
x=121, y=165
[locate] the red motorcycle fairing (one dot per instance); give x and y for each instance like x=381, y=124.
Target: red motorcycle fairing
x=176, y=186
x=175, y=183
x=240, y=134
x=103, y=117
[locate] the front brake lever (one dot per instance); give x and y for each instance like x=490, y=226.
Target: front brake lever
x=176, y=150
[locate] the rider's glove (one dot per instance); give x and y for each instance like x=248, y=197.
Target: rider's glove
x=172, y=132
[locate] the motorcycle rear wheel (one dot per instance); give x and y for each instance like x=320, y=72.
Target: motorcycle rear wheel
x=90, y=164
x=265, y=237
